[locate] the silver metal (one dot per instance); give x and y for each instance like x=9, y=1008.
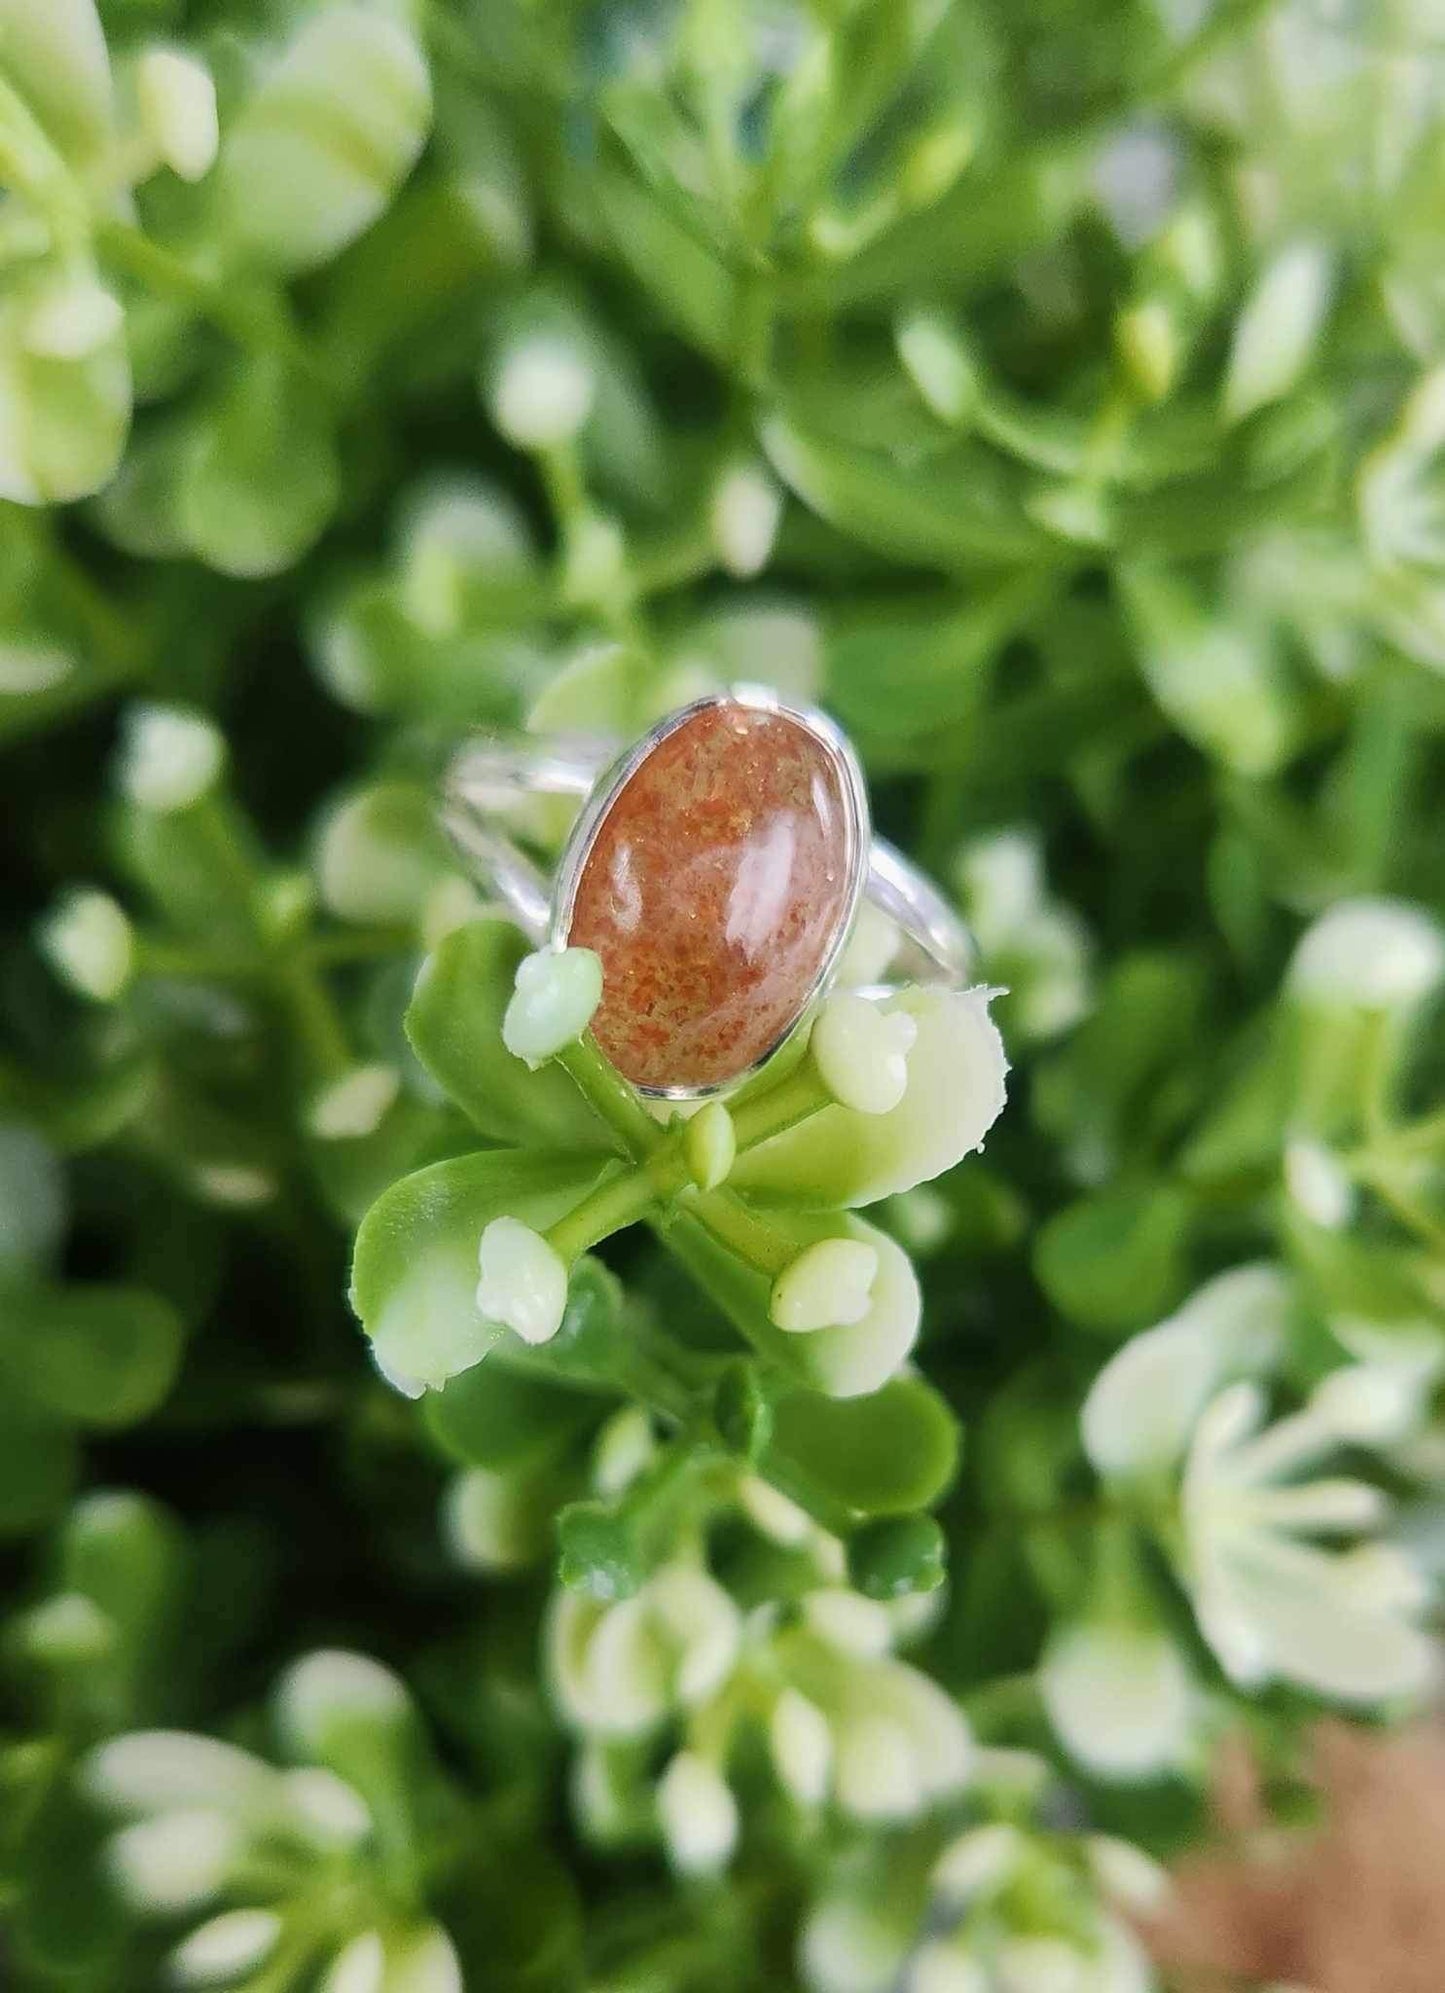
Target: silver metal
x=491, y=779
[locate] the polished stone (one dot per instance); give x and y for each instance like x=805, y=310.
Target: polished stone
x=714, y=891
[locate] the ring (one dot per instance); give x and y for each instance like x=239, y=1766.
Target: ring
x=717, y=867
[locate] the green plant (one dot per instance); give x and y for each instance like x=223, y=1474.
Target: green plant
x=456, y=1527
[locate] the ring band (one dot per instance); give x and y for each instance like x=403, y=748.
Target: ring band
x=716, y=865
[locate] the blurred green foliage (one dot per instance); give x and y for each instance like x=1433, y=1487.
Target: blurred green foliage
x=1052, y=390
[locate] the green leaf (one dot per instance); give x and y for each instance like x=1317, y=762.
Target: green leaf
x=888, y=1454
x=259, y=476
x=64, y=417
x=455, y=1028
x=504, y=1419
x=98, y=1356
x=894, y=1558
x=39, y=1460
x=1116, y=1260
x=56, y=56
x=414, y=1274
x=326, y=139
x=956, y=1070
x=948, y=513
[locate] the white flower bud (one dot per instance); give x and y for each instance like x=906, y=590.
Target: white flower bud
x=425, y=1962
x=698, y=1813
x=355, y=1105
x=170, y=758
x=848, y=1621
x=1318, y=1184
x=939, y=365
x=359, y=1967
x=162, y=1771
x=1374, y=954
x=861, y=1052
x=1042, y=1965
x=90, y=944
x=523, y=1283
x=71, y=315
x=541, y=392
x=329, y=1812
x=847, y=1947
x=828, y=1285
x=335, y=1686
x=625, y=1448
x=710, y=1145
x=177, y=103
x=943, y=1965
x=802, y=1747
x=455, y=530
x=978, y=1864
x=746, y=509
x=704, y=1626
x=1119, y=1697
x=1278, y=328
x=27, y=667
x=1370, y=1404
x=234, y=1185
x=852, y=1359
x=1128, y=1877
x=175, y=1861
x=491, y=1522
x=65, y=1629
x=773, y=1513
x=557, y=991
x=878, y=1774
x=608, y=1666
x=225, y=1948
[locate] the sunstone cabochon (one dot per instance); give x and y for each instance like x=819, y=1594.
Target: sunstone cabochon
x=715, y=889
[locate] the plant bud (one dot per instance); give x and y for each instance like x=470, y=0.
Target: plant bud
x=90, y=944
x=557, y=991
x=170, y=758
x=177, y=102
x=523, y=1283
x=698, y=1813
x=861, y=1053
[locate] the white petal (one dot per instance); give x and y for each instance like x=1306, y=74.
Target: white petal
x=1315, y=1632
x=979, y=1863
x=1144, y=1404
x=174, y=1861
x=802, y=1747
x=699, y=1814
x=359, y=1968
x=1379, y=954
x=221, y=1950
x=1119, y=1698
x=155, y=1771
x=879, y=1777
x=846, y=1947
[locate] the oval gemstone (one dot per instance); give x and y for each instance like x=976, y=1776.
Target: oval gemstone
x=714, y=890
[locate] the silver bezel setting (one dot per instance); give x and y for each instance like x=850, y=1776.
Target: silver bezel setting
x=609, y=786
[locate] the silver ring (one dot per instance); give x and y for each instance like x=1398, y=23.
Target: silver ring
x=717, y=866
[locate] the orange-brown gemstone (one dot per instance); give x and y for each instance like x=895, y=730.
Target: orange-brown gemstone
x=714, y=891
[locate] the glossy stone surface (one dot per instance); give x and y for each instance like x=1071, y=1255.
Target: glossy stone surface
x=715, y=888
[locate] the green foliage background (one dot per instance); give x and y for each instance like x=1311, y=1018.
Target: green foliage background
x=1049, y=389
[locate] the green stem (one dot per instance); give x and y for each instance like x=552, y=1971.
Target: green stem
x=257, y=324
x=611, y=1098
x=31, y=165
x=744, y=1234
x=794, y=1099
